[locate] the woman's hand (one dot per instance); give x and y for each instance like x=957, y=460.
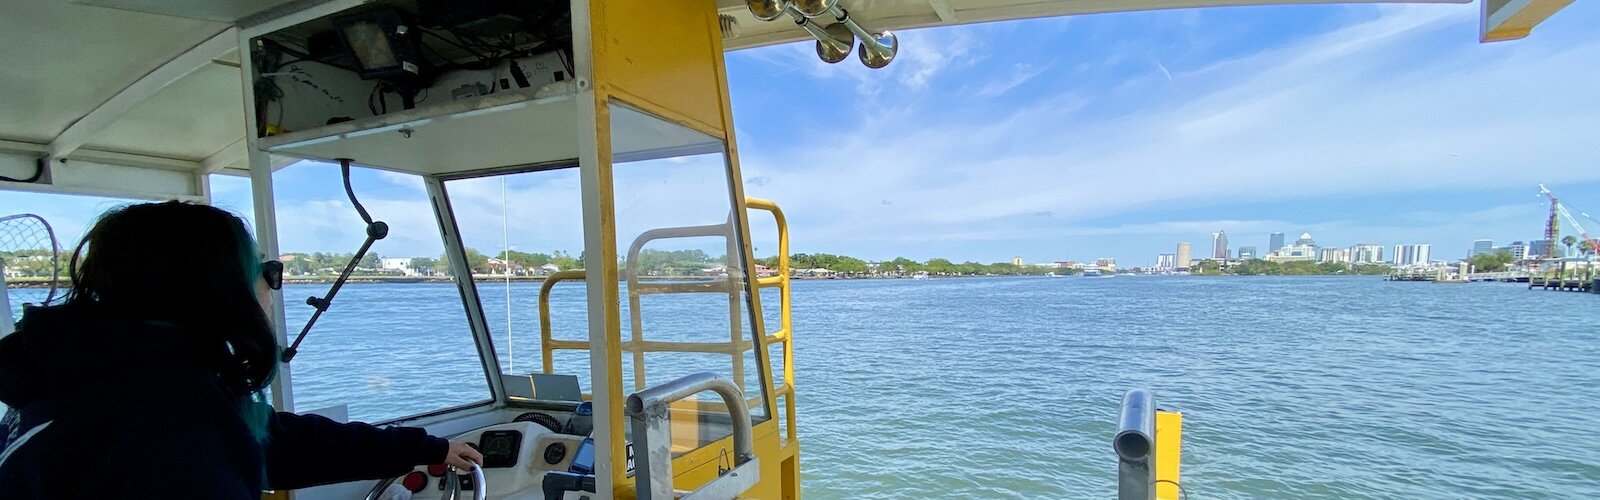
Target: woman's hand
x=462, y=456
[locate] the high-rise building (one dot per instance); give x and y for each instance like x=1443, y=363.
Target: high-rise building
x=1366, y=253
x=1538, y=249
x=1519, y=250
x=1247, y=253
x=1166, y=262
x=1334, y=255
x=1481, y=246
x=1016, y=261
x=1274, y=242
x=1183, y=255
x=1219, y=245
x=1412, y=255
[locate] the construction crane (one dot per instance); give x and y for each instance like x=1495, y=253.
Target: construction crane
x=1550, y=228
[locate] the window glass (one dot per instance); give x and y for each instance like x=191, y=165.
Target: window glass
x=685, y=303
x=395, y=341
x=521, y=229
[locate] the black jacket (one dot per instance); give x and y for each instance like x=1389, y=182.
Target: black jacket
x=105, y=408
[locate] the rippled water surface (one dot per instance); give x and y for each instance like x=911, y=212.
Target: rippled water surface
x=1008, y=388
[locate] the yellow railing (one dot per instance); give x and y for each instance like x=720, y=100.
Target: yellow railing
x=785, y=333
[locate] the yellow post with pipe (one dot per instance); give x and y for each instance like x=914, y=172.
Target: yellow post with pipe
x=1169, y=449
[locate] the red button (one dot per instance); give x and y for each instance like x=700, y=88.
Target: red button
x=415, y=481
x=436, y=470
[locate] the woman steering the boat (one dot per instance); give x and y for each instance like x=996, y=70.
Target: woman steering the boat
x=148, y=380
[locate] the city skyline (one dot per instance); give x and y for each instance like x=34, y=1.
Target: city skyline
x=1171, y=133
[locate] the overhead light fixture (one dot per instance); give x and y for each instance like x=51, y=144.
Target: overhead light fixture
x=384, y=44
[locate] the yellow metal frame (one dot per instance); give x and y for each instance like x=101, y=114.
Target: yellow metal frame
x=779, y=445
x=666, y=61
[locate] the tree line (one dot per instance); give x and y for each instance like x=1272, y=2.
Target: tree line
x=904, y=266
x=1257, y=267
x=34, y=263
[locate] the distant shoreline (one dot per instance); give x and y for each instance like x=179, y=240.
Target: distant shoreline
x=39, y=283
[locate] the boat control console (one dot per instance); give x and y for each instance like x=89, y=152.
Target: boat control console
x=540, y=455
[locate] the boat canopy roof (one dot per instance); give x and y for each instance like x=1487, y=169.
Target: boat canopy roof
x=140, y=99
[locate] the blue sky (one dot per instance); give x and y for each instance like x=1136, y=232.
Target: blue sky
x=1114, y=135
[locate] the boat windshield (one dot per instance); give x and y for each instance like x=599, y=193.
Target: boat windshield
x=396, y=341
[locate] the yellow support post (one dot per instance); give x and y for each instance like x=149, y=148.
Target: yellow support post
x=1169, y=450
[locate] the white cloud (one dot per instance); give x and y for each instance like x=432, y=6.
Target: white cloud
x=1357, y=111
x=1020, y=74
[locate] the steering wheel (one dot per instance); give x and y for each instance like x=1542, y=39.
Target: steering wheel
x=452, y=483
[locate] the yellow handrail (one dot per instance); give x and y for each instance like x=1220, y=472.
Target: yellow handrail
x=785, y=331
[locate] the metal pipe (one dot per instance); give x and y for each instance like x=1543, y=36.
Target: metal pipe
x=1135, y=444
x=652, y=403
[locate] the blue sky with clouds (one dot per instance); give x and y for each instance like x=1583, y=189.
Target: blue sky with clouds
x=1113, y=135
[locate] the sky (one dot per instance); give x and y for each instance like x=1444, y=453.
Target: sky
x=1110, y=135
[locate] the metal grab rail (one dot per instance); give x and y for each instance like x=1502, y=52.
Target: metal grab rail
x=636, y=290
x=650, y=413
x=785, y=333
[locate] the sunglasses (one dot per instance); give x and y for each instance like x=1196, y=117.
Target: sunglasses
x=272, y=271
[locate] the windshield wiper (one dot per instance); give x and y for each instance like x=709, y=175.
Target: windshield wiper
x=376, y=230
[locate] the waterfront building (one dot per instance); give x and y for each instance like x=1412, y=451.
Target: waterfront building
x=1519, y=250
x=401, y=265
x=1481, y=246
x=1183, y=255
x=1366, y=253
x=1166, y=262
x=1305, y=240
x=1303, y=249
x=1247, y=253
x=1412, y=255
x=1219, y=245
x=1293, y=253
x=1016, y=261
x=1274, y=242
x=1538, y=249
x=1106, y=263
x=1334, y=255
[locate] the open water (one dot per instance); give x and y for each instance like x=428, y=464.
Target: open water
x=1291, y=387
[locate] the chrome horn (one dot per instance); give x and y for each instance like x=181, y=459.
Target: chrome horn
x=877, y=49
x=833, y=42
x=767, y=10
x=814, y=8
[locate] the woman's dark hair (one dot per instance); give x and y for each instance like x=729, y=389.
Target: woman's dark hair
x=192, y=266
